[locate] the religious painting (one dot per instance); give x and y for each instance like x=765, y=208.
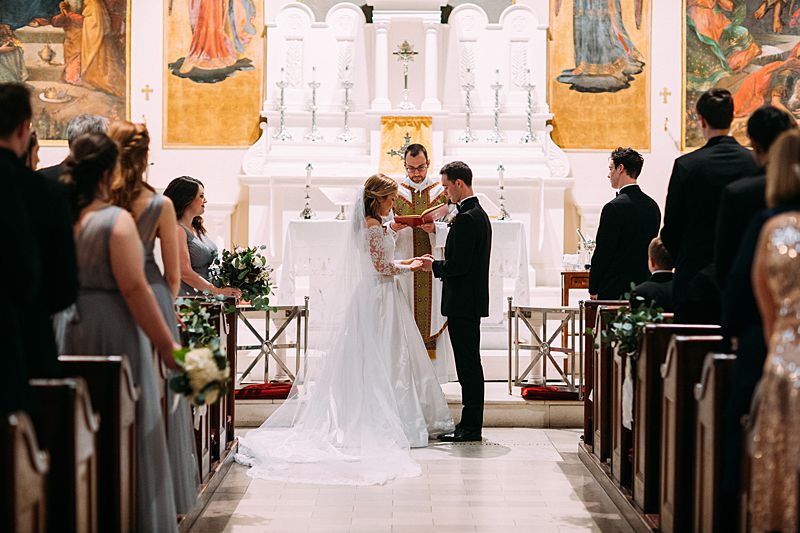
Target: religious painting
x=72, y=54
x=751, y=48
x=396, y=134
x=599, y=67
x=214, y=68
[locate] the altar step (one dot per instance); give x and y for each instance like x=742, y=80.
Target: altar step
x=500, y=409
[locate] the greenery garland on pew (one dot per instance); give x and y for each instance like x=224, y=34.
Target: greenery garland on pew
x=627, y=325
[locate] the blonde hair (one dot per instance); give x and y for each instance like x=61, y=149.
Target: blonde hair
x=134, y=143
x=783, y=169
x=376, y=188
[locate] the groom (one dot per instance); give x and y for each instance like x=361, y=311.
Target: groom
x=465, y=293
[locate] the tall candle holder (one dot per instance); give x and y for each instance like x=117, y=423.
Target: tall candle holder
x=405, y=53
x=307, y=213
x=496, y=136
x=282, y=134
x=346, y=136
x=529, y=136
x=313, y=135
x=501, y=185
x=467, y=137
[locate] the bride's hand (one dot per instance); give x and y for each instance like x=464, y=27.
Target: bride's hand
x=408, y=261
x=415, y=264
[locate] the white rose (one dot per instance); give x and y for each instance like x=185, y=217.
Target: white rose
x=201, y=369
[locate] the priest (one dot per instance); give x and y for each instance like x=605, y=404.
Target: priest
x=417, y=192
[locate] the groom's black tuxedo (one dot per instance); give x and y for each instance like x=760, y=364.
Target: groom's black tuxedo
x=465, y=299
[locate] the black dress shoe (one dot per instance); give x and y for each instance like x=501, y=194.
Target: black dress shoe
x=461, y=436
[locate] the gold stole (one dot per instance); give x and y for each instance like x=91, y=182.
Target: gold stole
x=423, y=281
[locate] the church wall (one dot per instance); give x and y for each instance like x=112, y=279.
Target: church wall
x=219, y=168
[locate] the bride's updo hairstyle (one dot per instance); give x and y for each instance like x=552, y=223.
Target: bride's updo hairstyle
x=133, y=141
x=376, y=188
x=90, y=165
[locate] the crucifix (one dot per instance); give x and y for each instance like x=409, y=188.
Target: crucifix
x=665, y=94
x=405, y=53
x=147, y=92
x=400, y=152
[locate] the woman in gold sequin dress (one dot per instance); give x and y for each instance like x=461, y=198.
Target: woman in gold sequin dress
x=775, y=444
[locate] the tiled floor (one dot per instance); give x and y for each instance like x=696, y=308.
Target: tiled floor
x=517, y=480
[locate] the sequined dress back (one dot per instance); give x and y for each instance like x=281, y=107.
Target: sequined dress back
x=776, y=431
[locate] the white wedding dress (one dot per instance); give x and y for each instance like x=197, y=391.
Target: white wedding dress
x=353, y=417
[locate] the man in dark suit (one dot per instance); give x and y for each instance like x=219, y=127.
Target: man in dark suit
x=743, y=198
x=690, y=214
x=80, y=125
x=627, y=225
x=464, y=272
x=21, y=267
x=658, y=289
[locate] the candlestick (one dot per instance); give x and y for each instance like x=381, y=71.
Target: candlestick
x=307, y=213
x=282, y=134
x=346, y=136
x=467, y=137
x=313, y=135
x=496, y=136
x=500, y=174
x=529, y=136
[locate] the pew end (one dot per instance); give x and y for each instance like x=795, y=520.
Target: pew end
x=26, y=467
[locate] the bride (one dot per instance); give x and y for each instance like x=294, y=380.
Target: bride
x=352, y=417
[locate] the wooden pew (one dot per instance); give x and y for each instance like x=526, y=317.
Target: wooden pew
x=621, y=437
x=681, y=371
x=66, y=427
x=647, y=409
x=711, y=395
x=218, y=420
x=24, y=499
x=601, y=384
x=230, y=402
x=114, y=396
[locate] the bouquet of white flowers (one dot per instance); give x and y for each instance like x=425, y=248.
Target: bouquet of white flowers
x=247, y=270
x=205, y=373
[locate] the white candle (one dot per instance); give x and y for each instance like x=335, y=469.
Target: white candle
x=313, y=73
x=500, y=171
x=498, y=76
x=308, y=174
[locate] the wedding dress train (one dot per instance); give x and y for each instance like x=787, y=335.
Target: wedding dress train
x=352, y=418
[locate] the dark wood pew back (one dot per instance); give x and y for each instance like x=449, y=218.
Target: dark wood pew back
x=114, y=396
x=621, y=437
x=66, y=427
x=647, y=409
x=680, y=371
x=23, y=508
x=711, y=395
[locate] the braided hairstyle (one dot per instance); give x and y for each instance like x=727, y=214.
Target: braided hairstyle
x=90, y=166
x=377, y=188
x=133, y=141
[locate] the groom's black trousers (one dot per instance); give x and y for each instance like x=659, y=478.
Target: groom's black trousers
x=465, y=335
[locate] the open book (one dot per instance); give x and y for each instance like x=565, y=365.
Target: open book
x=429, y=215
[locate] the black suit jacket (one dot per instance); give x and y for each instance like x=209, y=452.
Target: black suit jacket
x=656, y=290
x=690, y=214
x=739, y=203
x=627, y=225
x=465, y=269
x=54, y=172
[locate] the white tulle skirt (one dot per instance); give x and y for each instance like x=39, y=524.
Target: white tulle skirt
x=355, y=415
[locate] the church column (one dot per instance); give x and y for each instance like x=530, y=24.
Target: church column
x=431, y=101
x=381, y=101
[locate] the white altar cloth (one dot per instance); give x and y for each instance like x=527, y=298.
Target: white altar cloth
x=311, y=246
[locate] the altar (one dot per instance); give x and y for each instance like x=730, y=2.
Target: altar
x=334, y=82
x=311, y=247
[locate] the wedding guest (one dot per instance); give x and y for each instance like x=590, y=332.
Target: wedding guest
x=155, y=218
x=31, y=155
x=773, y=492
x=23, y=274
x=658, y=289
x=197, y=250
x=627, y=225
x=80, y=125
x=114, y=302
x=690, y=214
x=744, y=198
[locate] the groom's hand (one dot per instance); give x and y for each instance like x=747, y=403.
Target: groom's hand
x=427, y=262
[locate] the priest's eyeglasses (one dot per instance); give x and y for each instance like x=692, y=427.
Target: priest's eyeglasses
x=416, y=170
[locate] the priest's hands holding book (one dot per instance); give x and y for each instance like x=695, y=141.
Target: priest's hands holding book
x=427, y=228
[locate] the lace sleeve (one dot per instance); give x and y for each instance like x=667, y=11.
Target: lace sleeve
x=378, y=254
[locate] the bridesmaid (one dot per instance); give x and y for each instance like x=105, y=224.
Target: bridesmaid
x=197, y=251
x=155, y=217
x=115, y=310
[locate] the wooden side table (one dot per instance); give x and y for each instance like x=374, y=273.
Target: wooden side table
x=573, y=279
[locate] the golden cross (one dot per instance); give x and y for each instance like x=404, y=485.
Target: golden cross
x=147, y=92
x=665, y=94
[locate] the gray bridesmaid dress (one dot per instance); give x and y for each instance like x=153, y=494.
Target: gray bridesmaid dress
x=101, y=324
x=180, y=437
x=202, y=252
